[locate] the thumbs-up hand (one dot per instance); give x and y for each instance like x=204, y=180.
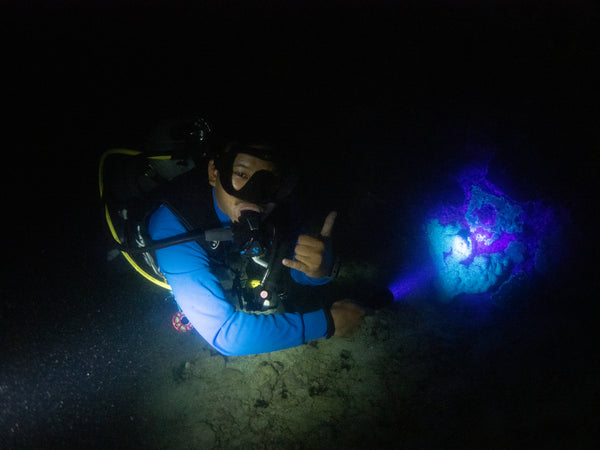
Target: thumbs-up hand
x=310, y=252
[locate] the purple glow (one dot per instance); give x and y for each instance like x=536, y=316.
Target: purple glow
x=498, y=245
x=407, y=283
x=486, y=215
x=481, y=245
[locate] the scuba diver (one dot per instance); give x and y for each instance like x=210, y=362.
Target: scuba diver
x=226, y=238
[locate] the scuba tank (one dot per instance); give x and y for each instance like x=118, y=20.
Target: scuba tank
x=127, y=179
x=131, y=183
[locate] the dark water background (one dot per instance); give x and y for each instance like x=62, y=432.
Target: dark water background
x=385, y=101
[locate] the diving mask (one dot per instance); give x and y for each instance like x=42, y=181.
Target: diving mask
x=264, y=186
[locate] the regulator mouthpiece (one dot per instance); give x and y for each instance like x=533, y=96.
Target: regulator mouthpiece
x=247, y=235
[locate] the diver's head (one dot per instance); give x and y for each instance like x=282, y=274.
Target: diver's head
x=253, y=176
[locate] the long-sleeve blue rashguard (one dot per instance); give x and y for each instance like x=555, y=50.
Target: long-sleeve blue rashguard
x=202, y=299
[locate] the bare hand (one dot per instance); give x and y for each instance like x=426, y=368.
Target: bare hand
x=347, y=317
x=310, y=251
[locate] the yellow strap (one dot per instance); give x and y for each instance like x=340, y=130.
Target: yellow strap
x=111, y=227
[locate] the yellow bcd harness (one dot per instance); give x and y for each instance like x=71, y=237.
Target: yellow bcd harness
x=134, y=153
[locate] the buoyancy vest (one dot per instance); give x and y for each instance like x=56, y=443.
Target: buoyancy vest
x=251, y=287
x=190, y=198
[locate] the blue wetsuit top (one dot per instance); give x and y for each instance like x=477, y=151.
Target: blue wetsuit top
x=200, y=296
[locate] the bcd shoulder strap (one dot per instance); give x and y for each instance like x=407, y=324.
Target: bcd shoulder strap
x=190, y=198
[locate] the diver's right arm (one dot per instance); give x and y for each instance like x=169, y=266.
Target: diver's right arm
x=200, y=296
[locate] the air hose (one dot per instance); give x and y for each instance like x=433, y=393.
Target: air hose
x=218, y=234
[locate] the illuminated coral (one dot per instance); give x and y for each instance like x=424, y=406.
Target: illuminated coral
x=483, y=244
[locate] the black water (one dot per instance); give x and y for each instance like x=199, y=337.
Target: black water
x=384, y=102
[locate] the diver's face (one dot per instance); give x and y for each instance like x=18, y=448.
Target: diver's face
x=244, y=166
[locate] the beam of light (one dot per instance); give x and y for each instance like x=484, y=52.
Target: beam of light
x=407, y=283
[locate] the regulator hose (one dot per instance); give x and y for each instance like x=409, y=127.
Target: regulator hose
x=217, y=234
